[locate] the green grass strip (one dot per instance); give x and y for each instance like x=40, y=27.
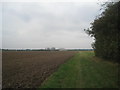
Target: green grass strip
x=82, y=71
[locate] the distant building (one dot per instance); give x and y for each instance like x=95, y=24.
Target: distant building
x=48, y=49
x=52, y=49
x=62, y=49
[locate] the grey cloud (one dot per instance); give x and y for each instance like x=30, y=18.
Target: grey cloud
x=0, y=25
x=39, y=25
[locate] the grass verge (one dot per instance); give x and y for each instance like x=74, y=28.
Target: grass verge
x=84, y=71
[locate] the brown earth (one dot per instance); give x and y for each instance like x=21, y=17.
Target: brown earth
x=28, y=69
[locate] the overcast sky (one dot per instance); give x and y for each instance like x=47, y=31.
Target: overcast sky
x=51, y=24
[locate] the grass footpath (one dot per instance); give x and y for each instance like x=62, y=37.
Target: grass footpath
x=84, y=71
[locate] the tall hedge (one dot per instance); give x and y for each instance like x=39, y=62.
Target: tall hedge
x=106, y=31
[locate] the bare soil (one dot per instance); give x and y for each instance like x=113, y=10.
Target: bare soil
x=28, y=69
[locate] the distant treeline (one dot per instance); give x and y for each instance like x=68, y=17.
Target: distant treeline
x=79, y=49
x=47, y=50
x=28, y=50
x=106, y=31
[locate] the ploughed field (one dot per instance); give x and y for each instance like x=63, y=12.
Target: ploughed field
x=28, y=69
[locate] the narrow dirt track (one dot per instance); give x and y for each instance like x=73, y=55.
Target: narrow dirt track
x=28, y=69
